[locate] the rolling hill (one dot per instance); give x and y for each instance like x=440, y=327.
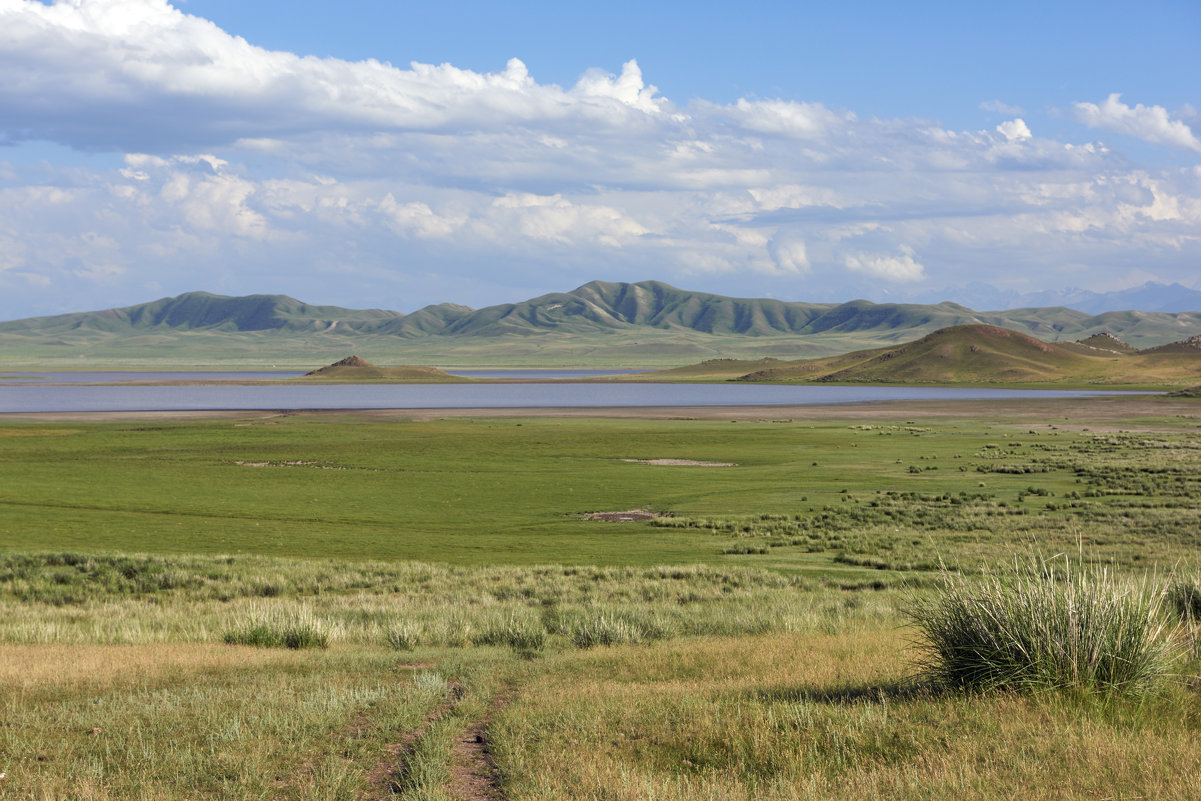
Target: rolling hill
x=985, y=354
x=598, y=323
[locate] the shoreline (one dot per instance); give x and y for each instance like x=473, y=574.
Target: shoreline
x=1094, y=408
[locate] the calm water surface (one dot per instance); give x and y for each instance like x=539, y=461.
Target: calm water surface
x=94, y=398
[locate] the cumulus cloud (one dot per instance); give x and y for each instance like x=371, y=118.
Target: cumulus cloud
x=1014, y=130
x=247, y=169
x=1150, y=123
x=555, y=219
x=788, y=118
x=77, y=72
x=789, y=254
x=898, y=268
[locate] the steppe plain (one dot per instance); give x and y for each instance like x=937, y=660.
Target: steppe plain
x=604, y=603
x=417, y=605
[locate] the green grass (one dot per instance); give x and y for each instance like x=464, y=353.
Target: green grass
x=447, y=574
x=819, y=497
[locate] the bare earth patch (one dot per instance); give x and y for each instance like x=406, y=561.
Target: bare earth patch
x=622, y=517
x=680, y=463
x=288, y=464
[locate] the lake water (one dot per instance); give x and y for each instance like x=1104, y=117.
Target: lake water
x=95, y=398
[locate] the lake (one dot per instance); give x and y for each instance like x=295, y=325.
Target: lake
x=35, y=397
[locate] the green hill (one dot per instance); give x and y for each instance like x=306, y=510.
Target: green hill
x=600, y=323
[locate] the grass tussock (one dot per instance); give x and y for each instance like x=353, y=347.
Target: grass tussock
x=270, y=629
x=1046, y=624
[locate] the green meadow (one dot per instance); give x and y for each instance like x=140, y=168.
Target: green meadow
x=306, y=606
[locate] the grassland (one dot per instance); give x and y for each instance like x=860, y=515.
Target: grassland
x=468, y=633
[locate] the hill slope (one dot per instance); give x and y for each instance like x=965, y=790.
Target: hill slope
x=600, y=322
x=984, y=354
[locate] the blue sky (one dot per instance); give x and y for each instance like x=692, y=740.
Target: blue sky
x=372, y=153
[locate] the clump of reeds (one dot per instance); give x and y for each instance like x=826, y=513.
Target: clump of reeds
x=1185, y=597
x=522, y=633
x=1046, y=624
x=294, y=630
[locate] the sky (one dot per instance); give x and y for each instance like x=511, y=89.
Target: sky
x=376, y=153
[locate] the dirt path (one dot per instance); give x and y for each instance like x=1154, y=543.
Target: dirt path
x=384, y=780
x=473, y=775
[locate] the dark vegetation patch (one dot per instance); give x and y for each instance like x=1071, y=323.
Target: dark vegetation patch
x=1132, y=500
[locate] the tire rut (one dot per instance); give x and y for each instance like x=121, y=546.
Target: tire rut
x=384, y=780
x=473, y=774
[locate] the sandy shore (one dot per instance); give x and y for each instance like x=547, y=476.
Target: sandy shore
x=1112, y=409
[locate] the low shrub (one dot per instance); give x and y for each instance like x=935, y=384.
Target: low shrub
x=1043, y=625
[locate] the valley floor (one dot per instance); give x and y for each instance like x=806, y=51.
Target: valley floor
x=414, y=605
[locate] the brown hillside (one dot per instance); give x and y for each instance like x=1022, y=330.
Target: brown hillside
x=1184, y=346
x=985, y=354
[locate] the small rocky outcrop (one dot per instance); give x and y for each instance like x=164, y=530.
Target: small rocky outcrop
x=1106, y=341
x=349, y=361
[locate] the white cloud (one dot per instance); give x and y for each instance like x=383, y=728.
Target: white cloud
x=626, y=88
x=789, y=254
x=1150, y=123
x=898, y=268
x=1014, y=130
x=70, y=65
x=418, y=219
x=555, y=219
x=788, y=118
x=257, y=170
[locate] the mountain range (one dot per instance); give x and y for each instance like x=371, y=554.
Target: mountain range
x=648, y=322
x=1150, y=297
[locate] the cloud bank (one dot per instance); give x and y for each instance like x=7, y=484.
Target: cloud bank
x=1149, y=123
x=243, y=169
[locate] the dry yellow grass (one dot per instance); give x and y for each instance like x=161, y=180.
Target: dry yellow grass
x=24, y=667
x=804, y=716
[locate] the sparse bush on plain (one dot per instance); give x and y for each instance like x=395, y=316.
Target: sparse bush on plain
x=1045, y=624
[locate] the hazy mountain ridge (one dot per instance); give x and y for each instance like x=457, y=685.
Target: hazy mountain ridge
x=1151, y=297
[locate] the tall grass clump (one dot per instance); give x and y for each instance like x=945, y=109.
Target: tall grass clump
x=296, y=630
x=1045, y=624
x=1185, y=597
